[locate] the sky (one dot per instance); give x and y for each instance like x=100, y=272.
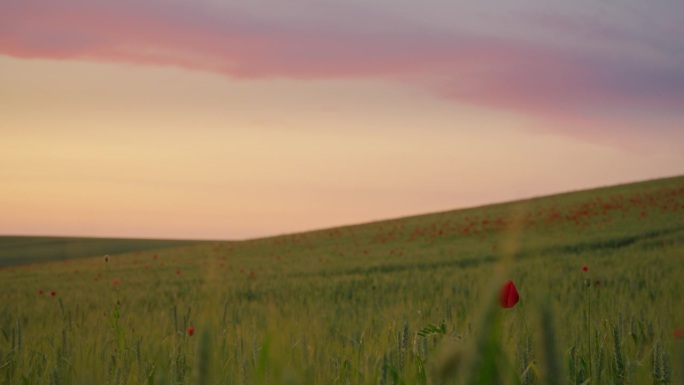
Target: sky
x=230, y=120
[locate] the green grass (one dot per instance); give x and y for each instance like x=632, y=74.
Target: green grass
x=17, y=250
x=346, y=305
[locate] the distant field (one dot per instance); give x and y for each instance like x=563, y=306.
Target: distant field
x=21, y=250
x=406, y=301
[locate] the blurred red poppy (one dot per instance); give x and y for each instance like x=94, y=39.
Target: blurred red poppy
x=508, y=295
x=584, y=268
x=191, y=330
x=678, y=333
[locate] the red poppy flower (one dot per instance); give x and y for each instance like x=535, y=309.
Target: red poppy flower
x=53, y=293
x=508, y=295
x=191, y=330
x=178, y=272
x=678, y=333
x=584, y=268
x=40, y=292
x=597, y=283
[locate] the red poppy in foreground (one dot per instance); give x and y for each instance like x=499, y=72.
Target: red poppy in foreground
x=508, y=295
x=191, y=330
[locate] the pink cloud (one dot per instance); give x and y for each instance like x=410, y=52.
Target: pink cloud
x=195, y=38
x=552, y=82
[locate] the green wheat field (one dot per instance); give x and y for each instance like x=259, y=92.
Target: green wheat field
x=406, y=301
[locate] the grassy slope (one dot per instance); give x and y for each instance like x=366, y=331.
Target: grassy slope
x=15, y=250
x=345, y=304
